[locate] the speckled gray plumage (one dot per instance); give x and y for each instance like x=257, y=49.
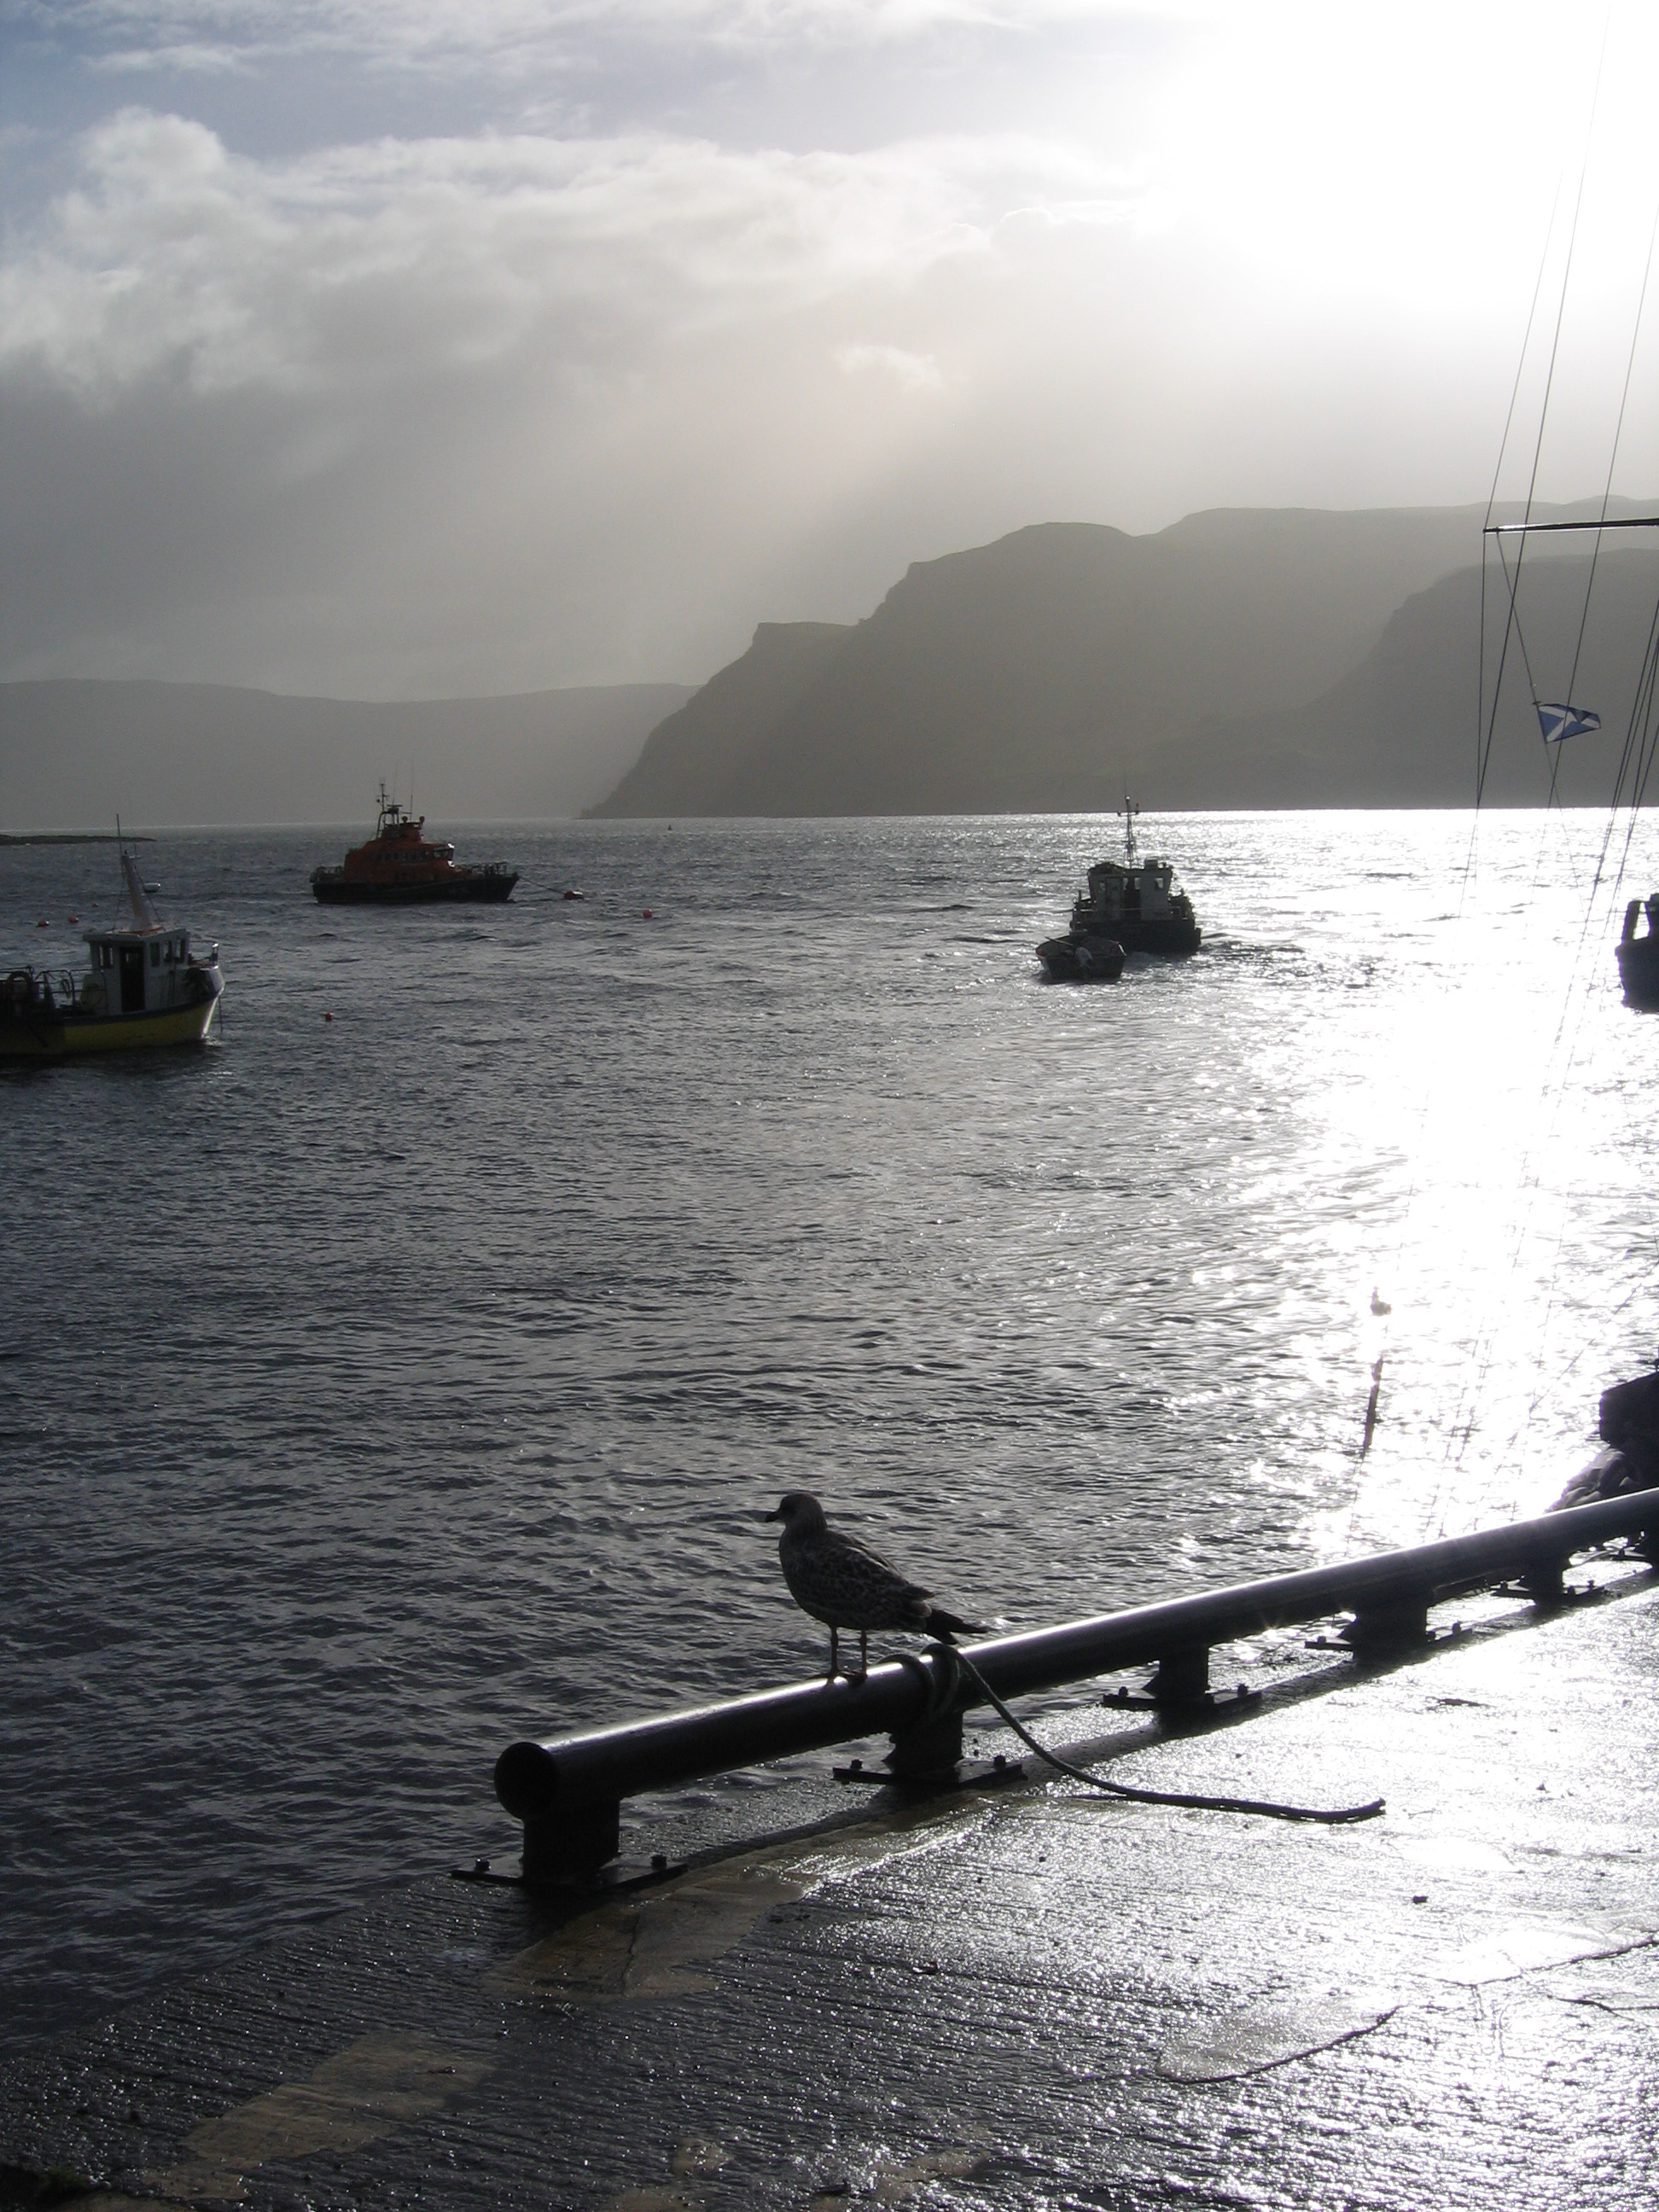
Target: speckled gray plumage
x=846, y=1583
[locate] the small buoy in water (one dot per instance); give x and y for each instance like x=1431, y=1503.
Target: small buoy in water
x=328, y=1017
x=575, y=895
x=43, y=923
x=648, y=916
x=74, y=918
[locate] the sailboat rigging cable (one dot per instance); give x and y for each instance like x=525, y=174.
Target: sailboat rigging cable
x=1640, y=748
x=1483, y=734
x=1613, y=457
x=1484, y=755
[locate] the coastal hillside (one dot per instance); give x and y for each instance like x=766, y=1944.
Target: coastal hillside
x=1400, y=729
x=708, y=743
x=73, y=753
x=1205, y=665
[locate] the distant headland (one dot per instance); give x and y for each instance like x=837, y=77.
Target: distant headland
x=1244, y=658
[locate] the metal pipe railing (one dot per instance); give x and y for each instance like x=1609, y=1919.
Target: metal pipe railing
x=567, y=1792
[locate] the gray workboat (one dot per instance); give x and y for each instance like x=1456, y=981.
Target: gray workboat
x=1132, y=905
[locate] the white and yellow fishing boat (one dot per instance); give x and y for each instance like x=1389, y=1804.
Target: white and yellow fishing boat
x=144, y=986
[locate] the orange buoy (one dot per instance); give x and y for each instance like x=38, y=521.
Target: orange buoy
x=648, y=916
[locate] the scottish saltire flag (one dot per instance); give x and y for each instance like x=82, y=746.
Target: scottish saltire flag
x=1558, y=722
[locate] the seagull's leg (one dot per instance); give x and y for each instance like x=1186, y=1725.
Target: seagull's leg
x=834, y=1648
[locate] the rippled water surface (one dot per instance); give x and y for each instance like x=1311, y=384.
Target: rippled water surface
x=378, y=1387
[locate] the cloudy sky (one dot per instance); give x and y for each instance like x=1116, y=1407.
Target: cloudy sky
x=393, y=348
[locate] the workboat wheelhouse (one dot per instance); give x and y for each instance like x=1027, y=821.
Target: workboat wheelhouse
x=1141, y=904
x=144, y=986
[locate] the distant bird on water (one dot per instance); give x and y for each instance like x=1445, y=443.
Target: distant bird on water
x=843, y=1583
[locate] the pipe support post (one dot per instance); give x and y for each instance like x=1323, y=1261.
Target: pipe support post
x=572, y=1846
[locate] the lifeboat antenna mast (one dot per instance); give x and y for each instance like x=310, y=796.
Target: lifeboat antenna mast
x=1128, y=810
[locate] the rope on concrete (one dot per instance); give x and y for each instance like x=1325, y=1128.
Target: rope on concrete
x=957, y=1664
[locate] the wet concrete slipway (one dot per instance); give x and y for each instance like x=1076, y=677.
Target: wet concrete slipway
x=1011, y=1993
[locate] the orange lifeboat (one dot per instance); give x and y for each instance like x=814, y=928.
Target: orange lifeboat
x=400, y=866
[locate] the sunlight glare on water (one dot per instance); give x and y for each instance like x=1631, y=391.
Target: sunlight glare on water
x=378, y=1389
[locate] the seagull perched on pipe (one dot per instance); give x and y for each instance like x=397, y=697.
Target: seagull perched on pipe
x=843, y=1583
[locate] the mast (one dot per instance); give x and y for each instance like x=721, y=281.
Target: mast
x=144, y=916
x=1544, y=529
x=1128, y=810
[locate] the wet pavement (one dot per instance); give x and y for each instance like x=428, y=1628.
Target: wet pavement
x=1014, y=1995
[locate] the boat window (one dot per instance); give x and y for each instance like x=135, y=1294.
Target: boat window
x=156, y=952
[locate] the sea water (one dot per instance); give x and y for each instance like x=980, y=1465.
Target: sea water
x=403, y=1372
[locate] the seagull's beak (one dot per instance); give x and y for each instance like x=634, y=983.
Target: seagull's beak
x=776, y=1514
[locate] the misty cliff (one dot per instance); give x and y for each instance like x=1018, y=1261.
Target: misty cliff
x=73, y=753
x=1402, y=728
x=1205, y=665
x=709, y=744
